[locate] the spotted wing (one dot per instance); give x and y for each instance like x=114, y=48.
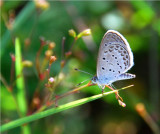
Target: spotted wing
x=114, y=57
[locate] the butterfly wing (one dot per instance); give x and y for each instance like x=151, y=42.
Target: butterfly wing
x=115, y=56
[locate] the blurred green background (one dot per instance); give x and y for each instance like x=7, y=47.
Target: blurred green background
x=139, y=22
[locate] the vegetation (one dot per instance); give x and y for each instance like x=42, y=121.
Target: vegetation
x=42, y=42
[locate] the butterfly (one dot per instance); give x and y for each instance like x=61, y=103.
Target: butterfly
x=115, y=58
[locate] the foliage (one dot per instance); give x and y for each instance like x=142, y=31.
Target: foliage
x=42, y=42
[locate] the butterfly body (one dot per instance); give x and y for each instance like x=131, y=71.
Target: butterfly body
x=115, y=58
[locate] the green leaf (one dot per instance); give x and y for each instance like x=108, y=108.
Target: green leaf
x=6, y=104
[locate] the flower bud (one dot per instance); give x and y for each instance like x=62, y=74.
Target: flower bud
x=12, y=57
x=41, y=76
x=84, y=33
x=27, y=63
x=62, y=63
x=67, y=54
x=140, y=108
x=52, y=59
x=42, y=4
x=72, y=33
x=51, y=80
x=61, y=76
x=52, y=45
x=36, y=101
x=42, y=40
x=48, y=53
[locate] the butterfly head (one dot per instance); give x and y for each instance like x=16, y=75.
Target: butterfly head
x=101, y=81
x=94, y=79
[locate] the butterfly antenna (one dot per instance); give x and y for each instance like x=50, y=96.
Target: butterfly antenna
x=83, y=71
x=83, y=81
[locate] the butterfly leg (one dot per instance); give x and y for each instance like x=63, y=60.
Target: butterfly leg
x=103, y=87
x=116, y=93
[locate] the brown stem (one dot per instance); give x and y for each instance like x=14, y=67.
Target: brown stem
x=140, y=107
x=37, y=60
x=12, y=74
x=49, y=68
x=74, y=41
x=63, y=43
x=76, y=90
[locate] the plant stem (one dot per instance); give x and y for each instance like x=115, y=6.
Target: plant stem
x=70, y=92
x=51, y=111
x=20, y=84
x=37, y=60
x=74, y=41
x=63, y=43
x=140, y=108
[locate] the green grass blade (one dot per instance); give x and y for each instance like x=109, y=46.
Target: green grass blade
x=51, y=111
x=21, y=99
x=20, y=80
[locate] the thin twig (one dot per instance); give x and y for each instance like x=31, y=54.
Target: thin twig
x=74, y=41
x=63, y=43
x=37, y=60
